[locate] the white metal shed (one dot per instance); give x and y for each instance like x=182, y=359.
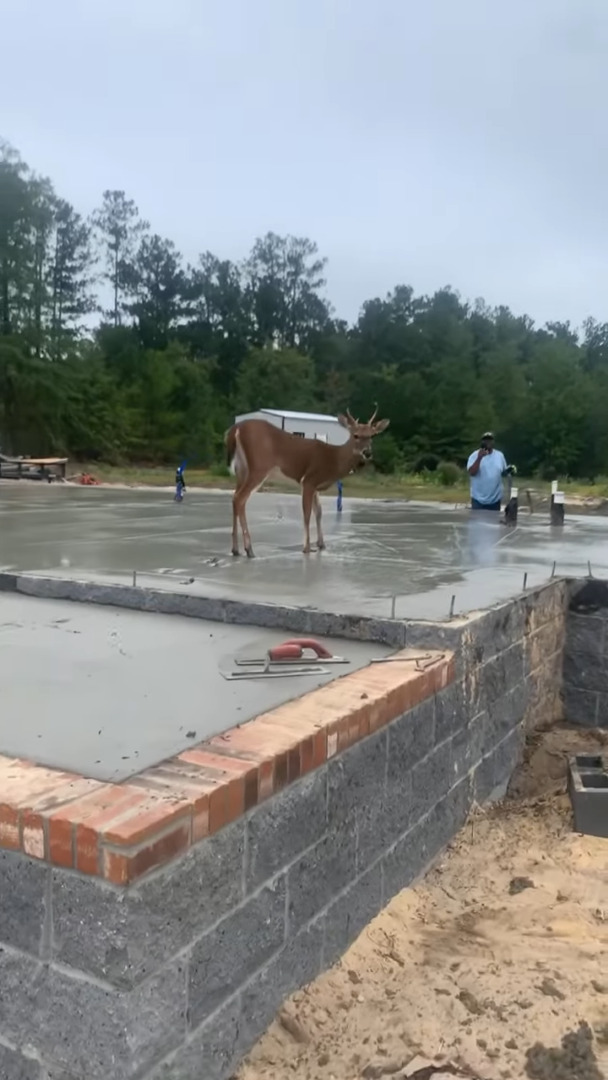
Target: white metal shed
x=308, y=425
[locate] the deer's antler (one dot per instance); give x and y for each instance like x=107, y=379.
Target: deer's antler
x=351, y=417
x=373, y=417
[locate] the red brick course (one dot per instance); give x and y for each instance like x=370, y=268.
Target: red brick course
x=121, y=831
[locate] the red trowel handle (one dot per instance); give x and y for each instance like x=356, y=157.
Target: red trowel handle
x=288, y=651
x=293, y=649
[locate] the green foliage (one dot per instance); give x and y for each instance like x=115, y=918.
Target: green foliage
x=448, y=474
x=113, y=349
x=387, y=454
x=278, y=378
x=219, y=469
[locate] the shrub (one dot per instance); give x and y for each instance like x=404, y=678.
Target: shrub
x=426, y=463
x=219, y=468
x=448, y=474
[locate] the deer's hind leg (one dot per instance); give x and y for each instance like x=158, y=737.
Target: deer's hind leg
x=246, y=482
x=318, y=516
x=235, y=522
x=250, y=484
x=308, y=497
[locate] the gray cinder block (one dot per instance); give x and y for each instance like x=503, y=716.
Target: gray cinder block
x=588, y=788
x=86, y=1029
x=297, y=964
x=283, y=827
x=211, y=1053
x=315, y=878
x=350, y=913
x=226, y=956
x=123, y=937
x=493, y=772
x=581, y=706
x=431, y=779
x=24, y=903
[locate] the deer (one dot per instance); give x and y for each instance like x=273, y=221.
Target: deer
x=255, y=448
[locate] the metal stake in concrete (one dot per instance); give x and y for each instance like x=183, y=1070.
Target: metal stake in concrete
x=452, y=603
x=589, y=569
x=393, y=606
x=525, y=581
x=557, y=508
x=553, y=569
x=134, y=578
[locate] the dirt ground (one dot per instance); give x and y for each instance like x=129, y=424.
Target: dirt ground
x=503, y=946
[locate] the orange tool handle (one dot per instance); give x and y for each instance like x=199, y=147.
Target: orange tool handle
x=285, y=651
x=288, y=651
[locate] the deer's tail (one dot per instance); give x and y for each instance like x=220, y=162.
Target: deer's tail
x=230, y=441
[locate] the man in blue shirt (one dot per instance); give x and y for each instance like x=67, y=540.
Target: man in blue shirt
x=486, y=467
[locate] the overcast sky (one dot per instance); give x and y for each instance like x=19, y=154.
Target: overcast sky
x=426, y=142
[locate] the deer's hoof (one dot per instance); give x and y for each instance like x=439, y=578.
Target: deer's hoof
x=235, y=552
x=250, y=554
x=321, y=546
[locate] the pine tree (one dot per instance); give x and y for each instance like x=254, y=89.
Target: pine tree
x=120, y=229
x=71, y=278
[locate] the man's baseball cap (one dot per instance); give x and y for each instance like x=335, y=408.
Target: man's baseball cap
x=488, y=435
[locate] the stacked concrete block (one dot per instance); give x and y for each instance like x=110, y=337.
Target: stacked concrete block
x=585, y=668
x=175, y=976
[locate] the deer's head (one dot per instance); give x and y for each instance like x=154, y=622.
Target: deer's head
x=361, y=435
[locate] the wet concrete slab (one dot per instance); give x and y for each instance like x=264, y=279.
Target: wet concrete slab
x=107, y=692
x=382, y=556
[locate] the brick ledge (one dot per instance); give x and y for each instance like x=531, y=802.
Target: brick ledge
x=121, y=831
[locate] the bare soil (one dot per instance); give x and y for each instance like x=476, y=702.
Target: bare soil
x=494, y=966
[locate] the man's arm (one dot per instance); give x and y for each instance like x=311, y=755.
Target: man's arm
x=473, y=468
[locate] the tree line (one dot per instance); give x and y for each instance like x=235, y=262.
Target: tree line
x=113, y=348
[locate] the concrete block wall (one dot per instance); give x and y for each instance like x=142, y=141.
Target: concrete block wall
x=176, y=976
x=585, y=668
x=517, y=648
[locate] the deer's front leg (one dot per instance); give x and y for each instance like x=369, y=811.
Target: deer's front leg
x=235, y=526
x=308, y=494
x=318, y=516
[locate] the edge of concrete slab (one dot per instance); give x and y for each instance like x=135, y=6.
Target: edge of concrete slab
x=302, y=620
x=299, y=619
x=120, y=832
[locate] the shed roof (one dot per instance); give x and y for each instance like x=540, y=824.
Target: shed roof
x=287, y=414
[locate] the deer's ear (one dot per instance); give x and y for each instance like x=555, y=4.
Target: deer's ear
x=342, y=419
x=380, y=426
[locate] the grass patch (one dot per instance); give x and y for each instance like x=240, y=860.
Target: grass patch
x=426, y=487
x=367, y=485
